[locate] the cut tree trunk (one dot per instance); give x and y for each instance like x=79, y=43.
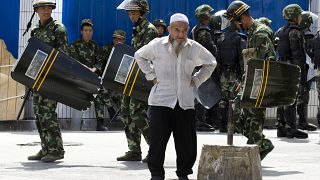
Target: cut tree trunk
x=229, y=163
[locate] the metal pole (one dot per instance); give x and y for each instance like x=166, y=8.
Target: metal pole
x=26, y=97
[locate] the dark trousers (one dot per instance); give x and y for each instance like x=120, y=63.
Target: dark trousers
x=163, y=121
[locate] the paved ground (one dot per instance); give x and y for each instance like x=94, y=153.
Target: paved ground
x=92, y=155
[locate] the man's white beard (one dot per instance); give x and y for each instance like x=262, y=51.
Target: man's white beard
x=177, y=46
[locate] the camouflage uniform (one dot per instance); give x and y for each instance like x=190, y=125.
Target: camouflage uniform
x=108, y=97
x=229, y=56
x=302, y=108
x=291, y=49
x=260, y=39
x=134, y=112
x=87, y=54
x=265, y=21
x=202, y=34
x=53, y=33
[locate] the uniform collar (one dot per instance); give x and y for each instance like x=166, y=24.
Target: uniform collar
x=46, y=23
x=252, y=28
x=141, y=24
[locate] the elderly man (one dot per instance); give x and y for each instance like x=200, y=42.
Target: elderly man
x=169, y=62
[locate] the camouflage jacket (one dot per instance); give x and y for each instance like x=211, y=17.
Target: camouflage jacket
x=201, y=34
x=297, y=47
x=143, y=33
x=85, y=52
x=53, y=33
x=261, y=38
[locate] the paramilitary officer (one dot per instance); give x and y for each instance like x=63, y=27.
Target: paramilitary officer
x=161, y=27
x=229, y=57
x=202, y=34
x=53, y=33
x=110, y=98
x=86, y=52
x=134, y=112
x=307, y=18
x=260, y=43
x=291, y=49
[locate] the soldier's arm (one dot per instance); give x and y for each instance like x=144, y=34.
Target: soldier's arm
x=144, y=56
x=240, y=47
x=296, y=46
x=264, y=46
x=62, y=39
x=72, y=52
x=205, y=39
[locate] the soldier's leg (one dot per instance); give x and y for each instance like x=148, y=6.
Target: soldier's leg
x=108, y=101
x=224, y=103
x=290, y=118
x=281, y=123
x=99, y=103
x=138, y=113
x=44, y=146
x=51, y=129
x=254, y=127
x=302, y=109
x=131, y=131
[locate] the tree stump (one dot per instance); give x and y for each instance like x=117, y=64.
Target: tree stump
x=229, y=163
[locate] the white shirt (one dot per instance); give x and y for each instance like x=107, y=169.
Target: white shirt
x=158, y=60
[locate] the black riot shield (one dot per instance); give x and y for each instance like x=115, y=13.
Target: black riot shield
x=270, y=84
x=122, y=74
x=56, y=76
x=208, y=94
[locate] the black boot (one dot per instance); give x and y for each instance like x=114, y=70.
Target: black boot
x=100, y=125
x=292, y=132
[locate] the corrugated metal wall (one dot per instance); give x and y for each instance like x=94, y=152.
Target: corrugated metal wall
x=9, y=21
x=107, y=18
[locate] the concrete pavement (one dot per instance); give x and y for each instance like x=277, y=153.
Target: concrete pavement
x=92, y=155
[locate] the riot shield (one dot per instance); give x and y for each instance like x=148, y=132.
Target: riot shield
x=122, y=74
x=269, y=84
x=208, y=94
x=56, y=76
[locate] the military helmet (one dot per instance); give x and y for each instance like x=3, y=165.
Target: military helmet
x=203, y=11
x=291, y=11
x=87, y=22
x=218, y=21
x=118, y=33
x=307, y=18
x=39, y=3
x=137, y=5
x=265, y=21
x=159, y=22
x=236, y=9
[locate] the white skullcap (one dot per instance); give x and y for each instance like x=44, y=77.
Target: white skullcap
x=178, y=17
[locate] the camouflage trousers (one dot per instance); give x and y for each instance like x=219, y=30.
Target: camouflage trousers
x=105, y=98
x=249, y=122
x=48, y=125
x=135, y=120
x=229, y=81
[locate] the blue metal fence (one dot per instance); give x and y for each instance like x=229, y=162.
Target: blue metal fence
x=107, y=18
x=9, y=23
